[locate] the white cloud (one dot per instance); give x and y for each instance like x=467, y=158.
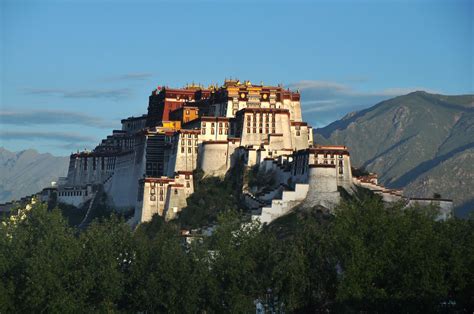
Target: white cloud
x=54, y=117
x=115, y=94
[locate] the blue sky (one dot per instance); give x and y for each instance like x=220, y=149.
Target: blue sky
x=70, y=70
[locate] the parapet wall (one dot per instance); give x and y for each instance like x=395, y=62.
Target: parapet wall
x=214, y=158
x=322, y=180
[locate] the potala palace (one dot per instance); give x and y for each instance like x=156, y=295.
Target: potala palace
x=148, y=165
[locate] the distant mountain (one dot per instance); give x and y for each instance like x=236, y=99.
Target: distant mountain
x=420, y=141
x=27, y=172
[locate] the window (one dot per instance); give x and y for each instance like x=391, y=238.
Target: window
x=186, y=176
x=152, y=198
x=187, y=184
x=189, y=150
x=220, y=130
x=203, y=131
x=254, y=130
x=298, y=133
x=212, y=131
x=204, y=124
x=195, y=136
x=187, y=111
x=248, y=130
x=212, y=124
x=175, y=191
x=189, y=143
x=182, y=149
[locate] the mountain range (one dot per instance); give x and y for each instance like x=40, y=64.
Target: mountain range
x=27, y=172
x=421, y=142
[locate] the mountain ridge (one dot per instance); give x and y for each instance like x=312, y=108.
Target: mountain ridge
x=28, y=171
x=412, y=141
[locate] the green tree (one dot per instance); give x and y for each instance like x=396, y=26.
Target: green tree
x=165, y=278
x=457, y=240
x=389, y=259
x=107, y=253
x=38, y=259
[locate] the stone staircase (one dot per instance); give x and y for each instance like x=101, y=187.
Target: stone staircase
x=108, y=178
x=264, y=197
x=280, y=207
x=252, y=201
x=83, y=222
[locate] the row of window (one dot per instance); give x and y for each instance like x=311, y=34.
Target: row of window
x=161, y=197
x=110, y=163
x=262, y=117
x=189, y=150
x=190, y=143
x=260, y=124
x=226, y=124
x=189, y=135
x=260, y=130
x=225, y=131
x=72, y=193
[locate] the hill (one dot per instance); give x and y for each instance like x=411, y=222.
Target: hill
x=420, y=141
x=27, y=172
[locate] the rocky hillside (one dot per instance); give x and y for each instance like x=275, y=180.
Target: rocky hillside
x=420, y=141
x=27, y=172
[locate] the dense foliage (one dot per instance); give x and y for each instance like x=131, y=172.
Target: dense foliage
x=211, y=196
x=365, y=258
